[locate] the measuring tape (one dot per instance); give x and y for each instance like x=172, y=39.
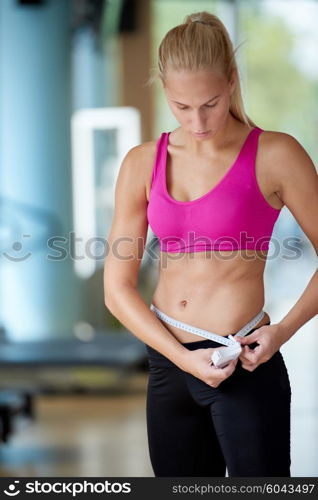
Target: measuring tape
x=205, y=333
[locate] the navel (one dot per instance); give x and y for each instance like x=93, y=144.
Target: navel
x=183, y=303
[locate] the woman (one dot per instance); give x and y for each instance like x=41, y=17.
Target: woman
x=211, y=190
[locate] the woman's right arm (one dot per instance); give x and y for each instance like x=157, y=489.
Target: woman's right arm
x=126, y=243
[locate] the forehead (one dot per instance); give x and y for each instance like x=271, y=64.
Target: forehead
x=193, y=86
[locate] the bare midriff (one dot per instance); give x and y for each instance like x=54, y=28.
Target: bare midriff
x=219, y=291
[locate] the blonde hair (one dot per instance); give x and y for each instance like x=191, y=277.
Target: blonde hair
x=201, y=42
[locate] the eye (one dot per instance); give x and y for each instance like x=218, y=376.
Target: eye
x=206, y=105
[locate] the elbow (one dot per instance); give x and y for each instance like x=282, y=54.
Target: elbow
x=108, y=301
x=108, y=295
x=110, y=298
x=110, y=306
x=113, y=296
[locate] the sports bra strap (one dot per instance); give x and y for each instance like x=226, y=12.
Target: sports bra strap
x=157, y=162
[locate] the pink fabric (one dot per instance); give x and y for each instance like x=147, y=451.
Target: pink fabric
x=233, y=215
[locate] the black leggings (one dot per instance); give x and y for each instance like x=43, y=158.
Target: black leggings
x=198, y=430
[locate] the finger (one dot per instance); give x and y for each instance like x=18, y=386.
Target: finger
x=249, y=366
x=244, y=354
x=250, y=354
x=238, y=339
x=247, y=360
x=229, y=369
x=246, y=364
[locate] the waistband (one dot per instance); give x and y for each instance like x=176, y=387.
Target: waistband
x=156, y=358
x=205, y=333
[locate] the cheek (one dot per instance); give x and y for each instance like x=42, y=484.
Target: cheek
x=176, y=112
x=220, y=112
x=225, y=106
x=182, y=117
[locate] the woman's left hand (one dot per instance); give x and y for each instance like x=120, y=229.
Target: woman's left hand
x=269, y=340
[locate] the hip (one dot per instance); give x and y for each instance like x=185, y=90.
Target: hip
x=269, y=381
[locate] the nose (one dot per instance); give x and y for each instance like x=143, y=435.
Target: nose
x=198, y=121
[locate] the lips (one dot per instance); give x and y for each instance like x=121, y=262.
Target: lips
x=202, y=134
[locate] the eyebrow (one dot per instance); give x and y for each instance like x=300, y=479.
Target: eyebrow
x=212, y=99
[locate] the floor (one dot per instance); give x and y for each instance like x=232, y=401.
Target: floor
x=77, y=435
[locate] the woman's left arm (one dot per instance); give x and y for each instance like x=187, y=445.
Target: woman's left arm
x=297, y=181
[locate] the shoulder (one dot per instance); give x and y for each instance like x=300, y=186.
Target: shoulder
x=277, y=139
x=136, y=168
x=139, y=159
x=280, y=146
x=297, y=180
x=295, y=176
x=283, y=156
x=141, y=154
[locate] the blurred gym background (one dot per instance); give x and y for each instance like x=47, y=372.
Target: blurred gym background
x=73, y=100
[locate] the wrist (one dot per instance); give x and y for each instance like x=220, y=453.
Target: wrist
x=182, y=360
x=284, y=331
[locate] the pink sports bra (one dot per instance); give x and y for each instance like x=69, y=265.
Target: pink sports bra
x=233, y=215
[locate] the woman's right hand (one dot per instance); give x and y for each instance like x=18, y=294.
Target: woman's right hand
x=199, y=364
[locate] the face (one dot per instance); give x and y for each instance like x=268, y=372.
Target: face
x=199, y=100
